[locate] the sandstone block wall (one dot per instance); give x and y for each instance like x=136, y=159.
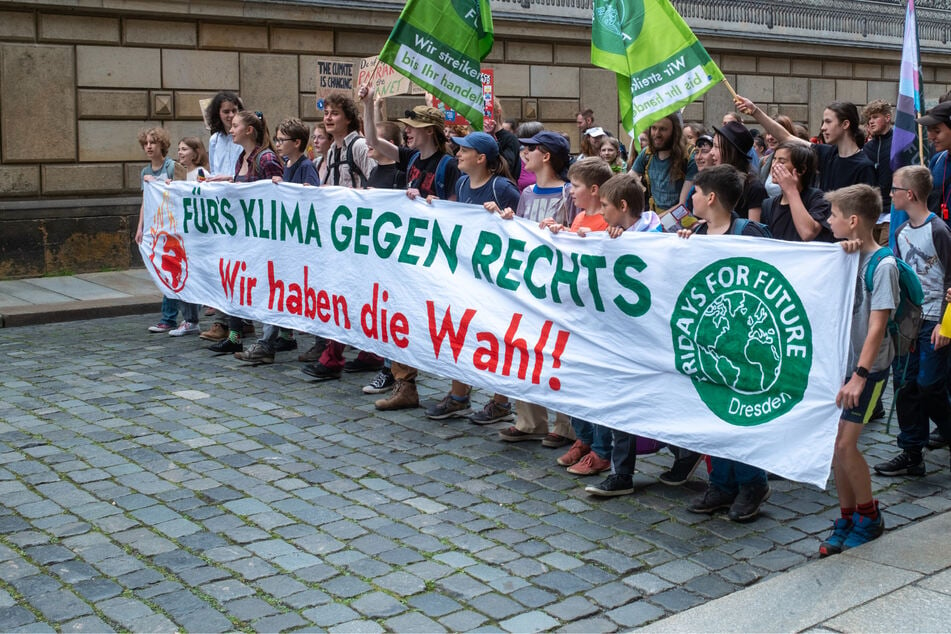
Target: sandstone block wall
x=77, y=83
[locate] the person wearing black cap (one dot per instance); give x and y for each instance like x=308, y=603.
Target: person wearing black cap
x=731, y=146
x=841, y=160
x=938, y=122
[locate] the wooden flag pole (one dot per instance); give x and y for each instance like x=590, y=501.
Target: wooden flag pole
x=730, y=88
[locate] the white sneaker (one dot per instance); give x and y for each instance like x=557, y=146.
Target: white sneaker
x=184, y=328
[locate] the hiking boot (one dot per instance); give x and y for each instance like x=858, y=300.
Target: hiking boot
x=864, y=530
x=321, y=372
x=746, y=505
x=382, y=382
x=226, y=346
x=313, y=353
x=612, y=486
x=256, y=353
x=404, y=396
x=936, y=440
x=904, y=463
x=514, y=434
x=833, y=544
x=684, y=465
x=184, y=328
x=449, y=408
x=578, y=451
x=358, y=365
x=161, y=327
x=284, y=344
x=493, y=412
x=591, y=464
x=554, y=440
x=712, y=501
x=217, y=332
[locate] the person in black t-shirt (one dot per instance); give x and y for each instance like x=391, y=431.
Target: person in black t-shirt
x=841, y=163
x=800, y=213
x=387, y=173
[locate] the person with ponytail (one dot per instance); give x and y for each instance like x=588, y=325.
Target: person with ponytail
x=257, y=161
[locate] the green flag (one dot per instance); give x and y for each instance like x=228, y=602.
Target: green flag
x=439, y=45
x=660, y=64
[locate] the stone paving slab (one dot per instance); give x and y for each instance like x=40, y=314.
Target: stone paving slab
x=76, y=288
x=147, y=485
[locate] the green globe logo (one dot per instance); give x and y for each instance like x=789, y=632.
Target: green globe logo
x=741, y=334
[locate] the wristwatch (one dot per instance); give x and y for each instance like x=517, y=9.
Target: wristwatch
x=862, y=372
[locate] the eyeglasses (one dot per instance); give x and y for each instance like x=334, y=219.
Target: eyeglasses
x=530, y=147
x=900, y=189
x=278, y=140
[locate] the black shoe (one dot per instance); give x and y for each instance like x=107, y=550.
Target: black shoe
x=358, y=365
x=904, y=463
x=936, y=440
x=713, y=500
x=320, y=372
x=683, y=467
x=226, y=346
x=283, y=344
x=613, y=485
x=746, y=505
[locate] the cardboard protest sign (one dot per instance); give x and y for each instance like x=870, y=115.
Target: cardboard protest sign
x=335, y=74
x=386, y=80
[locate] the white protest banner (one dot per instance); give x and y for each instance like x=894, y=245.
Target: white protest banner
x=387, y=81
x=727, y=345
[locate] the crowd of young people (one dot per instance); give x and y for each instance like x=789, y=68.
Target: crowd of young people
x=785, y=188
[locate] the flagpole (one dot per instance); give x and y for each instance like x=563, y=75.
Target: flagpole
x=921, y=147
x=729, y=87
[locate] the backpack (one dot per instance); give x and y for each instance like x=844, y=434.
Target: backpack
x=905, y=323
x=440, y=173
x=355, y=171
x=741, y=224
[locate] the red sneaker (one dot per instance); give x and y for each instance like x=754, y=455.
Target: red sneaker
x=591, y=464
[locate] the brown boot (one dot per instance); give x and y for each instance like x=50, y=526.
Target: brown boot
x=404, y=397
x=217, y=332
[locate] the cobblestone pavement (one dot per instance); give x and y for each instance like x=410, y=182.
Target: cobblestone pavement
x=146, y=485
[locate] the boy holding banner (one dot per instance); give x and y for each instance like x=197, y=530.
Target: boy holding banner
x=855, y=210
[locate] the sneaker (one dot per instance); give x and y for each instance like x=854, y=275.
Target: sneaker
x=184, y=328
x=578, y=451
x=284, y=344
x=684, y=466
x=936, y=440
x=864, y=530
x=256, y=353
x=449, y=408
x=161, y=327
x=313, y=353
x=712, y=500
x=382, y=382
x=493, y=412
x=554, y=440
x=225, y=346
x=591, y=464
x=514, y=434
x=903, y=464
x=358, y=365
x=321, y=372
x=404, y=396
x=833, y=544
x=613, y=485
x=217, y=332
x=746, y=505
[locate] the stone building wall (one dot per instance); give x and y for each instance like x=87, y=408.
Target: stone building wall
x=79, y=80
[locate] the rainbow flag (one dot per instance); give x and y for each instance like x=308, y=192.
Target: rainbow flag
x=909, y=90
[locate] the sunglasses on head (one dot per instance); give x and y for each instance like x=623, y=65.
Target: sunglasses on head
x=412, y=115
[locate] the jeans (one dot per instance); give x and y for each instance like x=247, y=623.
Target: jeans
x=598, y=437
x=922, y=395
x=730, y=475
x=169, y=311
x=624, y=453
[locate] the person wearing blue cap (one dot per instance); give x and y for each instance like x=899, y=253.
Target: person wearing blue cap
x=485, y=181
